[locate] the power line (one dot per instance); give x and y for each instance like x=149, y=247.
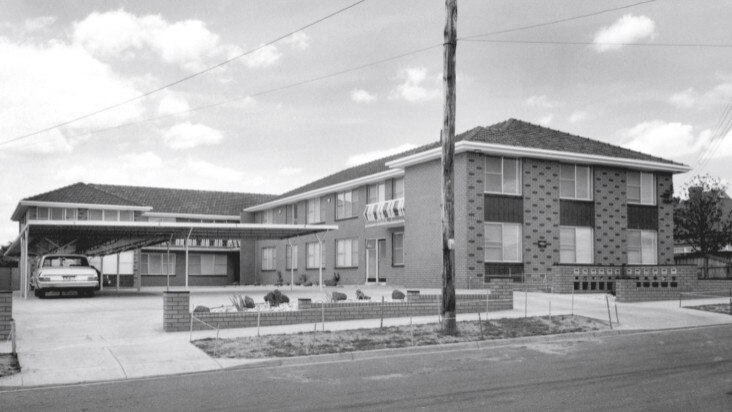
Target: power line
x=550, y=23
x=721, y=130
x=583, y=43
x=189, y=77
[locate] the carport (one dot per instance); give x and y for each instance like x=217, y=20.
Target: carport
x=100, y=238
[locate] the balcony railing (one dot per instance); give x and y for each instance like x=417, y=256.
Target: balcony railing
x=385, y=212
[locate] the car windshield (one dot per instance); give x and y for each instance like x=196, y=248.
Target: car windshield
x=64, y=261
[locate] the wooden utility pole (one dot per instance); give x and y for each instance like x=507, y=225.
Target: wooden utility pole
x=449, y=323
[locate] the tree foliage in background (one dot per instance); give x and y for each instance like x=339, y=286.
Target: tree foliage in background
x=701, y=219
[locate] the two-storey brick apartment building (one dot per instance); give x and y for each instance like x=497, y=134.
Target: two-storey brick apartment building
x=547, y=207
x=543, y=206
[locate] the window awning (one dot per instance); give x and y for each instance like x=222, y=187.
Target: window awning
x=102, y=238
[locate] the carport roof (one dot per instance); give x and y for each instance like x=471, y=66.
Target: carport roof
x=101, y=238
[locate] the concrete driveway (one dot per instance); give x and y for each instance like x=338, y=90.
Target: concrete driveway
x=120, y=336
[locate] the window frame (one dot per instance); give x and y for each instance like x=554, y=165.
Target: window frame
x=348, y=208
x=574, y=249
x=289, y=264
x=145, y=263
x=308, y=255
x=349, y=253
x=576, y=182
x=268, y=264
x=502, y=175
x=380, y=189
x=394, y=249
x=519, y=245
x=313, y=211
x=639, y=249
x=395, y=183
x=640, y=188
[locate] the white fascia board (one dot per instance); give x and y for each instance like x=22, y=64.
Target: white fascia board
x=350, y=184
x=517, y=151
x=192, y=216
x=83, y=205
x=178, y=225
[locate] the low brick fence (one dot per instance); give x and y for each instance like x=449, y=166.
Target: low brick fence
x=655, y=285
x=6, y=313
x=177, y=316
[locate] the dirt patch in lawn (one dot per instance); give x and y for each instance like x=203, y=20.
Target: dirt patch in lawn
x=316, y=343
x=716, y=308
x=9, y=364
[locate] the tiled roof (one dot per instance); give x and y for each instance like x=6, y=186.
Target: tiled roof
x=511, y=132
x=164, y=200
x=82, y=193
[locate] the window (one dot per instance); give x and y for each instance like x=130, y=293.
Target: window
x=346, y=253
x=268, y=216
x=376, y=193
x=345, y=202
x=94, y=214
x=575, y=245
x=642, y=247
x=294, y=213
x=111, y=215
x=207, y=265
x=42, y=213
x=398, y=188
x=269, y=255
x=126, y=216
x=57, y=213
x=314, y=210
x=70, y=214
x=291, y=257
x=397, y=249
x=502, y=175
x=641, y=188
x=502, y=242
x=315, y=259
x=155, y=264
x=575, y=182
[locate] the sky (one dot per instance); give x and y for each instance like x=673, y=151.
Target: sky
x=270, y=129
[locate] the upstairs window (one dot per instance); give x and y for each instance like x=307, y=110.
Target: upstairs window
x=268, y=216
x=345, y=204
x=314, y=210
x=641, y=188
x=575, y=182
x=502, y=176
x=398, y=188
x=376, y=193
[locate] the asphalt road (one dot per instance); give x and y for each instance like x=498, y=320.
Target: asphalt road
x=673, y=370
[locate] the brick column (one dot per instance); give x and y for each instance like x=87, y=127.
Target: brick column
x=6, y=313
x=176, y=311
x=665, y=191
x=501, y=297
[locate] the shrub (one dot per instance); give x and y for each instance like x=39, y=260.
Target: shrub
x=397, y=295
x=308, y=283
x=334, y=281
x=275, y=298
x=248, y=302
x=303, y=279
x=237, y=302
x=336, y=296
x=201, y=309
x=361, y=296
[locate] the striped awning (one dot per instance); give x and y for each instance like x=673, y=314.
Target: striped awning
x=384, y=211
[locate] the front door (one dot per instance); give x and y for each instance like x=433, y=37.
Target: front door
x=376, y=260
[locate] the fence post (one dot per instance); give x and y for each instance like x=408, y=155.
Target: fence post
x=608, y=312
x=572, y=300
x=680, y=295
x=13, y=332
x=616, y=314
x=259, y=315
x=190, y=338
x=480, y=323
x=381, y=326
x=322, y=314
x=216, y=344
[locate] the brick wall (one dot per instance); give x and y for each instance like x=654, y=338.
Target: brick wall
x=541, y=215
x=6, y=313
x=647, y=284
x=664, y=192
x=176, y=311
x=611, y=215
x=469, y=213
x=423, y=227
x=717, y=286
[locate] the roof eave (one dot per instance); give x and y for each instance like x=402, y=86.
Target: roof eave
x=518, y=151
x=23, y=205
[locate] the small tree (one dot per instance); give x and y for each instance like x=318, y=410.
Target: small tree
x=700, y=218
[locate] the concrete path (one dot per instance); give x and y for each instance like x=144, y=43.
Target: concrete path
x=119, y=336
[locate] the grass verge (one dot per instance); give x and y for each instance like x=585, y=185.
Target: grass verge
x=316, y=343
x=9, y=364
x=716, y=308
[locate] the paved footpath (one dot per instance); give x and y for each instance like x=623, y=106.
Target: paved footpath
x=111, y=337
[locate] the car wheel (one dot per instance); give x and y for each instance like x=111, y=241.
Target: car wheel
x=40, y=293
x=90, y=293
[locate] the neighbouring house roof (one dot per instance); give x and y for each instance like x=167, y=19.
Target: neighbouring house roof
x=511, y=132
x=153, y=199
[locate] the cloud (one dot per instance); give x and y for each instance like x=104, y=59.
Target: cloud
x=290, y=171
x=264, y=57
x=38, y=23
x=188, y=43
x=188, y=135
x=546, y=120
x=541, y=101
x=171, y=105
x=299, y=41
x=377, y=154
x=362, y=96
x=412, y=89
x=717, y=95
x=53, y=82
x=627, y=29
x=578, y=116
x=212, y=171
x=665, y=139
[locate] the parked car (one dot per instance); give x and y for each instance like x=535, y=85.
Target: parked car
x=61, y=273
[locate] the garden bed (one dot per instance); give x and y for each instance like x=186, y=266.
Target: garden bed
x=9, y=364
x=316, y=343
x=722, y=308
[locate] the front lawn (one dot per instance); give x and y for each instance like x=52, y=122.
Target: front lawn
x=717, y=308
x=316, y=343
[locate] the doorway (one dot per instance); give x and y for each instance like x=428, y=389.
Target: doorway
x=376, y=261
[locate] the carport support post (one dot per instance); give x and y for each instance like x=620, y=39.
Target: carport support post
x=188, y=237
x=117, y=287
x=101, y=276
x=24, y=259
x=292, y=265
x=320, y=260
